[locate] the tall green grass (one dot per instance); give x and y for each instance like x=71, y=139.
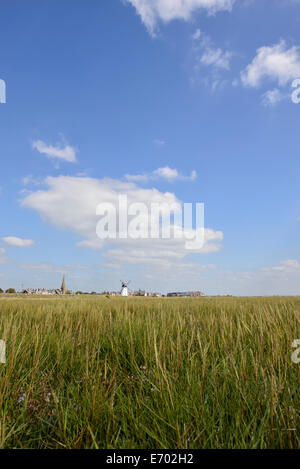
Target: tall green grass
x=149, y=373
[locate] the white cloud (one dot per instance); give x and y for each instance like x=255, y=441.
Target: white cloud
x=153, y=11
x=276, y=63
x=66, y=153
x=18, y=242
x=167, y=173
x=170, y=174
x=70, y=204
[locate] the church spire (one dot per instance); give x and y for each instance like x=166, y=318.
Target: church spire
x=63, y=286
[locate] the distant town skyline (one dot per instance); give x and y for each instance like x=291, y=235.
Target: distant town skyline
x=194, y=102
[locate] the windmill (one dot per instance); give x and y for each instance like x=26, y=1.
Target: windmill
x=124, y=289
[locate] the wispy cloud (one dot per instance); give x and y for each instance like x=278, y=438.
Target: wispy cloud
x=272, y=97
x=3, y=258
x=214, y=60
x=209, y=54
x=58, y=151
x=160, y=142
x=18, y=242
x=47, y=267
x=30, y=180
x=287, y=266
x=197, y=34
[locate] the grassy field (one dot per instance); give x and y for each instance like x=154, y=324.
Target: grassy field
x=96, y=372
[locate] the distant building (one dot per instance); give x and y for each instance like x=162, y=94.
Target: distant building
x=186, y=294
x=139, y=293
x=40, y=291
x=43, y=291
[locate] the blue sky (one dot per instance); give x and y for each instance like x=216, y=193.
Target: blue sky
x=103, y=89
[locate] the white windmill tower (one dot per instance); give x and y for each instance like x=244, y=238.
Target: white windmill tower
x=124, y=289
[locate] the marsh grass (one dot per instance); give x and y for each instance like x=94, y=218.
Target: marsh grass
x=96, y=372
